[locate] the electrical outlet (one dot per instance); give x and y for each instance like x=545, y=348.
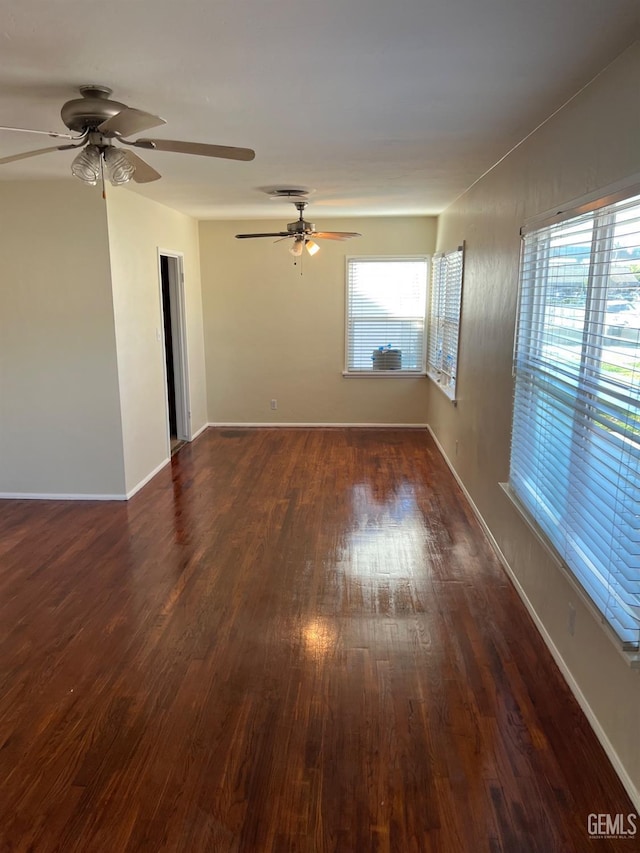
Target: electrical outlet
x=571, y=621
x=274, y=405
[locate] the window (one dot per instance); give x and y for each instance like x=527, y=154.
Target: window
x=386, y=303
x=575, y=452
x=444, y=319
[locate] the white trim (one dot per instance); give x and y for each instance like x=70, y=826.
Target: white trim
x=36, y=496
x=619, y=191
x=632, y=658
x=599, y=732
x=381, y=374
x=397, y=256
x=437, y=313
x=347, y=260
x=448, y=393
x=177, y=313
x=146, y=479
x=180, y=323
x=316, y=425
x=200, y=431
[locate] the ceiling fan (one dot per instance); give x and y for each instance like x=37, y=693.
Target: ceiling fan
x=97, y=122
x=302, y=233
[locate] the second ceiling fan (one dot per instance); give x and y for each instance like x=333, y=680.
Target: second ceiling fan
x=302, y=233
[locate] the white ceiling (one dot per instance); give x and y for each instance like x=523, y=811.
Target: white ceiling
x=383, y=106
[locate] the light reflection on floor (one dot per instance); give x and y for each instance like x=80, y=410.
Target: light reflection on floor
x=389, y=536
x=319, y=637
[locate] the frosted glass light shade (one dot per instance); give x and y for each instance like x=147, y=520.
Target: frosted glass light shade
x=119, y=169
x=86, y=165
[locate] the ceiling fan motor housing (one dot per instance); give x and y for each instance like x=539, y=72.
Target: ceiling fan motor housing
x=91, y=109
x=300, y=226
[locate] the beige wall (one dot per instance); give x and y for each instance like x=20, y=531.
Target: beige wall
x=60, y=427
x=271, y=333
x=592, y=143
x=137, y=229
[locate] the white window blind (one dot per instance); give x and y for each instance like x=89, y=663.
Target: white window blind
x=575, y=456
x=444, y=319
x=385, y=313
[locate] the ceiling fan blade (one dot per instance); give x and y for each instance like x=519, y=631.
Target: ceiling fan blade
x=224, y=151
x=52, y=133
x=335, y=235
x=274, y=234
x=25, y=154
x=144, y=173
x=130, y=121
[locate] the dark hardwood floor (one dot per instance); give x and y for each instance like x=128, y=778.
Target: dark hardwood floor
x=290, y=640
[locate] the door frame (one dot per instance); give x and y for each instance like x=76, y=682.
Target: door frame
x=177, y=312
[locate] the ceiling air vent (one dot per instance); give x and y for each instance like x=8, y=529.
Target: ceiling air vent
x=289, y=193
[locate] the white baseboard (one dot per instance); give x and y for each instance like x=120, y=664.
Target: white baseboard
x=146, y=479
x=318, y=425
x=59, y=496
x=600, y=733
x=38, y=496
x=199, y=431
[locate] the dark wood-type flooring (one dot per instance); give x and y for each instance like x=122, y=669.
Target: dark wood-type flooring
x=290, y=640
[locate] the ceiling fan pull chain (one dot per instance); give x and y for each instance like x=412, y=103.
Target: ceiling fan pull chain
x=104, y=189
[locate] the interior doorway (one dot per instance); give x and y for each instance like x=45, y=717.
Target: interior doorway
x=175, y=350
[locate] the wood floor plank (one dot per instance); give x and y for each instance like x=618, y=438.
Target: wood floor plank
x=290, y=640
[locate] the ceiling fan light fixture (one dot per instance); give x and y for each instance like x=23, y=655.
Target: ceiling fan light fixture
x=86, y=165
x=119, y=169
x=312, y=247
x=298, y=246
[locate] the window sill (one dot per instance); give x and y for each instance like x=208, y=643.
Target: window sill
x=632, y=658
x=381, y=374
x=449, y=393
